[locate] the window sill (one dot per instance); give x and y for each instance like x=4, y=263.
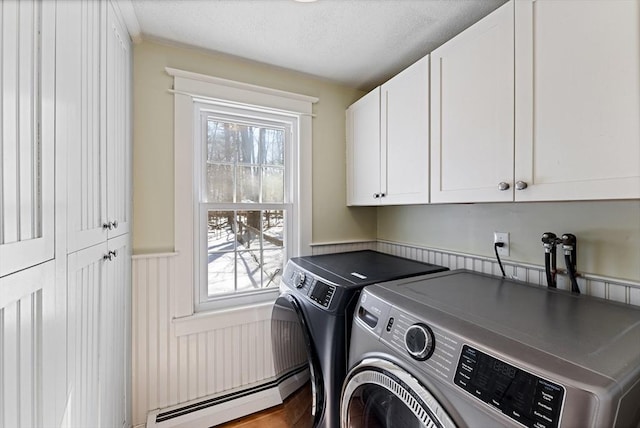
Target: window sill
x=201, y=322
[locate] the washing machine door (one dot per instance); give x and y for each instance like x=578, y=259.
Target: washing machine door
x=295, y=359
x=378, y=393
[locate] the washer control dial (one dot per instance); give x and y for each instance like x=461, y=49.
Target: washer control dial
x=419, y=341
x=298, y=279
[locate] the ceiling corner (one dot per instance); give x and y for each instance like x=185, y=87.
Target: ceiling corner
x=130, y=19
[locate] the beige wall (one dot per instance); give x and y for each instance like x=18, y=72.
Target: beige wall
x=608, y=232
x=153, y=143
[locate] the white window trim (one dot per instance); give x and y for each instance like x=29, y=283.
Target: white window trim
x=189, y=88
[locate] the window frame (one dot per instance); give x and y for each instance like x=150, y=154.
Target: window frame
x=290, y=123
x=189, y=88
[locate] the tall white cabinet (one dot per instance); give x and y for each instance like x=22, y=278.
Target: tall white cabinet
x=94, y=70
x=388, y=141
x=65, y=273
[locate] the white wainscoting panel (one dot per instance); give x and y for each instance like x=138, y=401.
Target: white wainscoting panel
x=593, y=285
x=181, y=360
x=342, y=247
x=618, y=290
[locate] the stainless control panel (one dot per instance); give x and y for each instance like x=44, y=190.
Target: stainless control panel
x=528, y=399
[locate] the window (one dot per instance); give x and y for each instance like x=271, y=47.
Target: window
x=245, y=202
x=242, y=196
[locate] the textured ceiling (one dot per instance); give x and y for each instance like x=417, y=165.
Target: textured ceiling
x=359, y=43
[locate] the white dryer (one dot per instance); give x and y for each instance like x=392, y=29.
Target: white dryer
x=462, y=349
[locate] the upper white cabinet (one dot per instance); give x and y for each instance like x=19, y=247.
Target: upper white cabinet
x=472, y=84
x=404, y=134
x=577, y=122
x=388, y=141
x=95, y=77
x=27, y=74
x=363, y=150
x=548, y=111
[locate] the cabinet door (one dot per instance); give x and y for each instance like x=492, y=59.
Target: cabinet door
x=363, y=150
x=28, y=355
x=98, y=334
x=87, y=277
x=78, y=114
x=405, y=135
x=26, y=134
x=578, y=99
x=117, y=124
x=472, y=111
x=115, y=327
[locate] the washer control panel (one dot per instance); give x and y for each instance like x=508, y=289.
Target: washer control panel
x=320, y=293
x=528, y=399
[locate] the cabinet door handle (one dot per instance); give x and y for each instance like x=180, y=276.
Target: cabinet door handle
x=110, y=225
x=382, y=195
x=521, y=185
x=503, y=185
x=376, y=195
x=108, y=257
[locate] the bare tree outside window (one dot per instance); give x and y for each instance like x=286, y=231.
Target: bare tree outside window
x=244, y=166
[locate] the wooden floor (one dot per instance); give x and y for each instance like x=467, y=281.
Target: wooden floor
x=295, y=412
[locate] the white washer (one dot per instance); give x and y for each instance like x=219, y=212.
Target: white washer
x=465, y=349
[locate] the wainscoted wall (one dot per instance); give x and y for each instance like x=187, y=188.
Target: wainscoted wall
x=177, y=361
x=593, y=285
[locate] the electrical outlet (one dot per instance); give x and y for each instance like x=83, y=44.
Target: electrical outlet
x=504, y=238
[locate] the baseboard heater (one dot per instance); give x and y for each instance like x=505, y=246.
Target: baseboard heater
x=224, y=407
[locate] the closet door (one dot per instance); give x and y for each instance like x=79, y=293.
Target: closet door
x=26, y=134
x=79, y=113
x=117, y=125
x=578, y=99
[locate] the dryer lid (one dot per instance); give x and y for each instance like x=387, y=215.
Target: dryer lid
x=597, y=334
x=360, y=268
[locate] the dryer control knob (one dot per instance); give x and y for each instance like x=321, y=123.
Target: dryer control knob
x=298, y=279
x=419, y=341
